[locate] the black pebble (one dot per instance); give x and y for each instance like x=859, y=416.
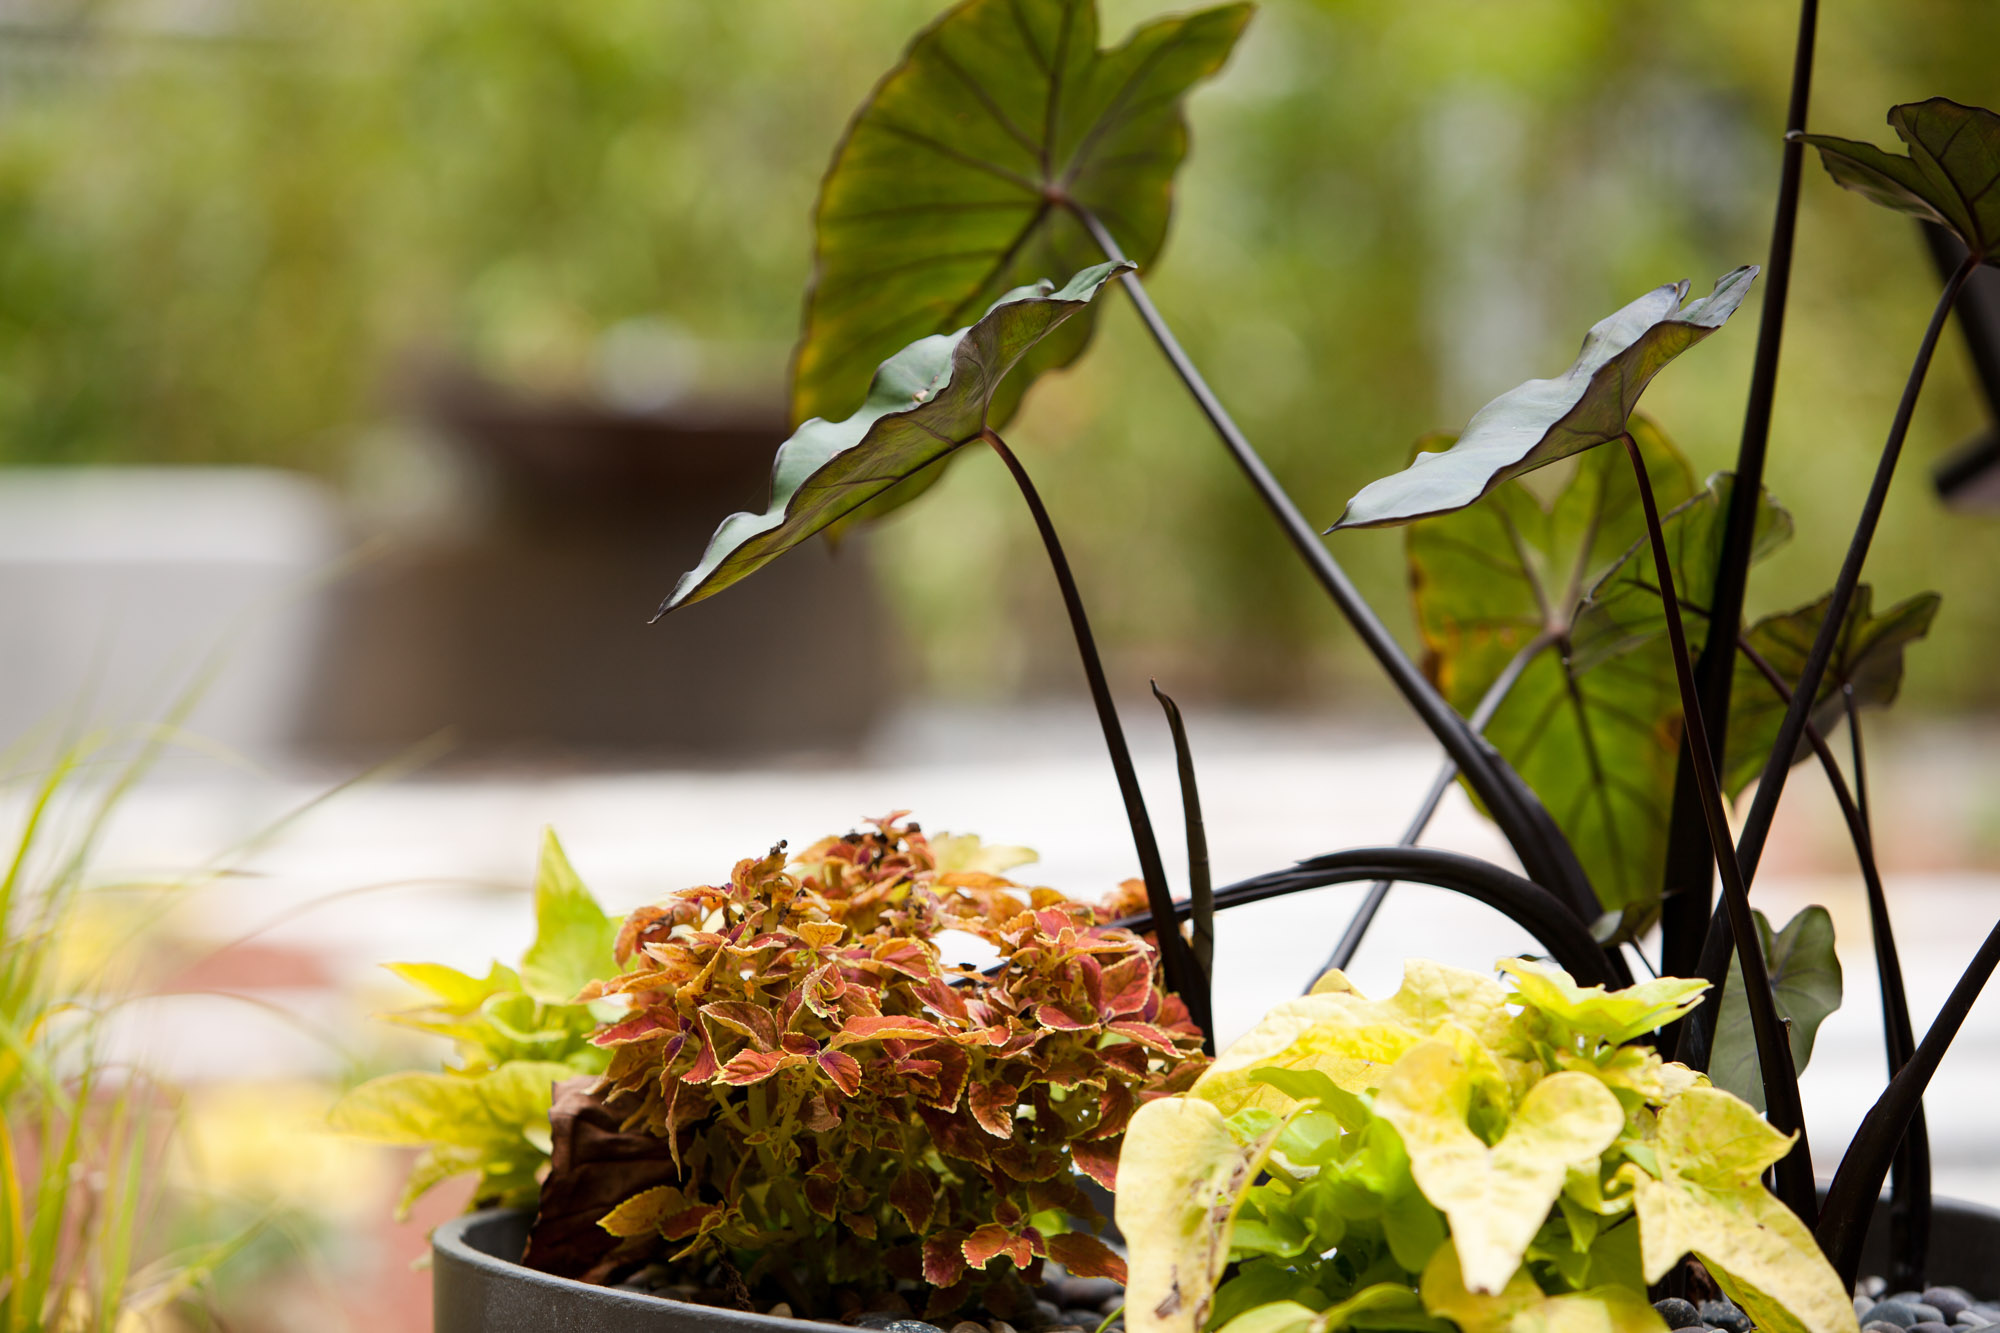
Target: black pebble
x=1892, y=1312
x=1945, y=1301
x=1930, y=1326
x=1677, y=1312
x=1086, y=1293
x=1084, y=1318
x=1724, y=1315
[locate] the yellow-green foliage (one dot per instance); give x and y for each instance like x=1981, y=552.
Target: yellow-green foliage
x=1462, y=1153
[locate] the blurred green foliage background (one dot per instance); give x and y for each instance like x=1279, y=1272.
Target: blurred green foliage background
x=229, y=231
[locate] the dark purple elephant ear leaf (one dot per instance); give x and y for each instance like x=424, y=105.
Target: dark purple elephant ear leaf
x=1950, y=176
x=1544, y=421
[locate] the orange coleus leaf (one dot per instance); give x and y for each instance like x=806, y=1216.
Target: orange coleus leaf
x=637, y=929
x=992, y=1104
x=1098, y=1159
x=912, y=1196
x=954, y=1067
x=749, y=1020
x=1146, y=1035
x=843, y=1069
x=1086, y=1256
x=748, y=1067
x=908, y=957
x=637, y=1027
x=993, y=1241
x=1127, y=985
x=820, y=934
x=861, y=1224
x=944, y=1260
x=1049, y=1016
x=881, y=1027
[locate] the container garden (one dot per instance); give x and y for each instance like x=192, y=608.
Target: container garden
x=783, y=1082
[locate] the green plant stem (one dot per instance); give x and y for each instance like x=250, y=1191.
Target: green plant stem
x=1175, y=961
x=1686, y=900
x=1489, y=704
x=1544, y=852
x=1698, y=1033
x=1201, y=889
x=1857, y=1183
x=1774, y=1055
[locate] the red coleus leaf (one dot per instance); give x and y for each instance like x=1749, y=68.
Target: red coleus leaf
x=955, y=1136
x=941, y=998
x=638, y=1027
x=746, y=1019
x=884, y=1026
x=705, y=1065
x=1146, y=1035
x=1086, y=1256
x=749, y=1067
x=944, y=1261
x=993, y=1241
x=822, y=1196
x=1114, y=1111
x=1128, y=984
x=1098, y=1159
x=912, y=1196
x=991, y=1105
x=861, y=1224
x=954, y=1066
x=1049, y=1016
x=638, y=929
x=843, y=1069
x=819, y=1111
x=908, y=957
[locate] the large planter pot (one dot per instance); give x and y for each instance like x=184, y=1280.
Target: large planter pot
x=477, y=1287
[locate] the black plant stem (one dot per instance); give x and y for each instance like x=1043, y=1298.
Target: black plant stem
x=1201, y=889
x=1850, y=1199
x=1489, y=704
x=1685, y=908
x=1179, y=969
x=1774, y=1056
x=1544, y=852
x=1699, y=1032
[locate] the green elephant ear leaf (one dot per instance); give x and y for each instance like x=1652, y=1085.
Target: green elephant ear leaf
x=1867, y=658
x=953, y=182
x=1543, y=421
x=1949, y=176
x=1597, y=749
x=1805, y=979
x=926, y=401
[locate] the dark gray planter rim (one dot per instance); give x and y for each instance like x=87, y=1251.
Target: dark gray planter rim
x=476, y=1290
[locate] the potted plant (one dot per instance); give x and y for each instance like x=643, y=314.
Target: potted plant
x=1578, y=684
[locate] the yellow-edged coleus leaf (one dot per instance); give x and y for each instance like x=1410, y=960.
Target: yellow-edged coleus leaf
x=1545, y=421
x=1951, y=174
x=574, y=938
x=929, y=399
x=1348, y=1037
x=949, y=187
x=1497, y=1197
x=1614, y=1017
x=1182, y=1175
x=1599, y=749
x=1709, y=1200
x=1521, y=1307
x=1805, y=983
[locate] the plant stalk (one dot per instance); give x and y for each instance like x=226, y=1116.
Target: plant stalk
x=1174, y=959
x=1489, y=704
x=1774, y=1055
x=1699, y=1031
x=1544, y=852
x=1687, y=901
x=1201, y=889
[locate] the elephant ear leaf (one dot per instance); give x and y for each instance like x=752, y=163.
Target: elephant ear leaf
x=953, y=182
x=1949, y=176
x=926, y=401
x=1543, y=421
x=1805, y=982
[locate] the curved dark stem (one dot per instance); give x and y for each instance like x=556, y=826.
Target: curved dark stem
x=1489, y=704
x=1522, y=901
x=1774, y=1054
x=1544, y=851
x=1850, y=1199
x=1699, y=1032
x=1173, y=949
x=1201, y=890
x=1686, y=904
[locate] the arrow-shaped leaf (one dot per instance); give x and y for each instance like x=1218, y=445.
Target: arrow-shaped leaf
x=1545, y=420
x=950, y=186
x=926, y=401
x=1951, y=175
x=1805, y=981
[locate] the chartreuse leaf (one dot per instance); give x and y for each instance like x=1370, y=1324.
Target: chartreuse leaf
x=1544, y=421
x=494, y=1109
x=1709, y=1200
x=927, y=400
x=1522, y=1308
x=574, y=938
x=456, y=991
x=1182, y=1177
x=1495, y=1198
x=1867, y=658
x=1948, y=177
x=1805, y=981
x=1379, y=1305
x=1598, y=749
x=1613, y=1017
x=951, y=184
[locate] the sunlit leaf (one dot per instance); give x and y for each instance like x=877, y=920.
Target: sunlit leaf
x=927, y=400
x=495, y=1109
x=948, y=189
x=1613, y=1017
x=1806, y=983
x=1949, y=176
x=1543, y=421
x=573, y=936
x=1522, y=1308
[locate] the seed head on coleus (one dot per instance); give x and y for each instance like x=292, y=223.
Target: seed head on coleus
x=829, y=1104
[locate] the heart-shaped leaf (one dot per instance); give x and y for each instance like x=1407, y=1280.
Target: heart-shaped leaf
x=950, y=185
x=1951, y=175
x=1868, y=656
x=1805, y=980
x=926, y=401
x=1542, y=421
x=1597, y=749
